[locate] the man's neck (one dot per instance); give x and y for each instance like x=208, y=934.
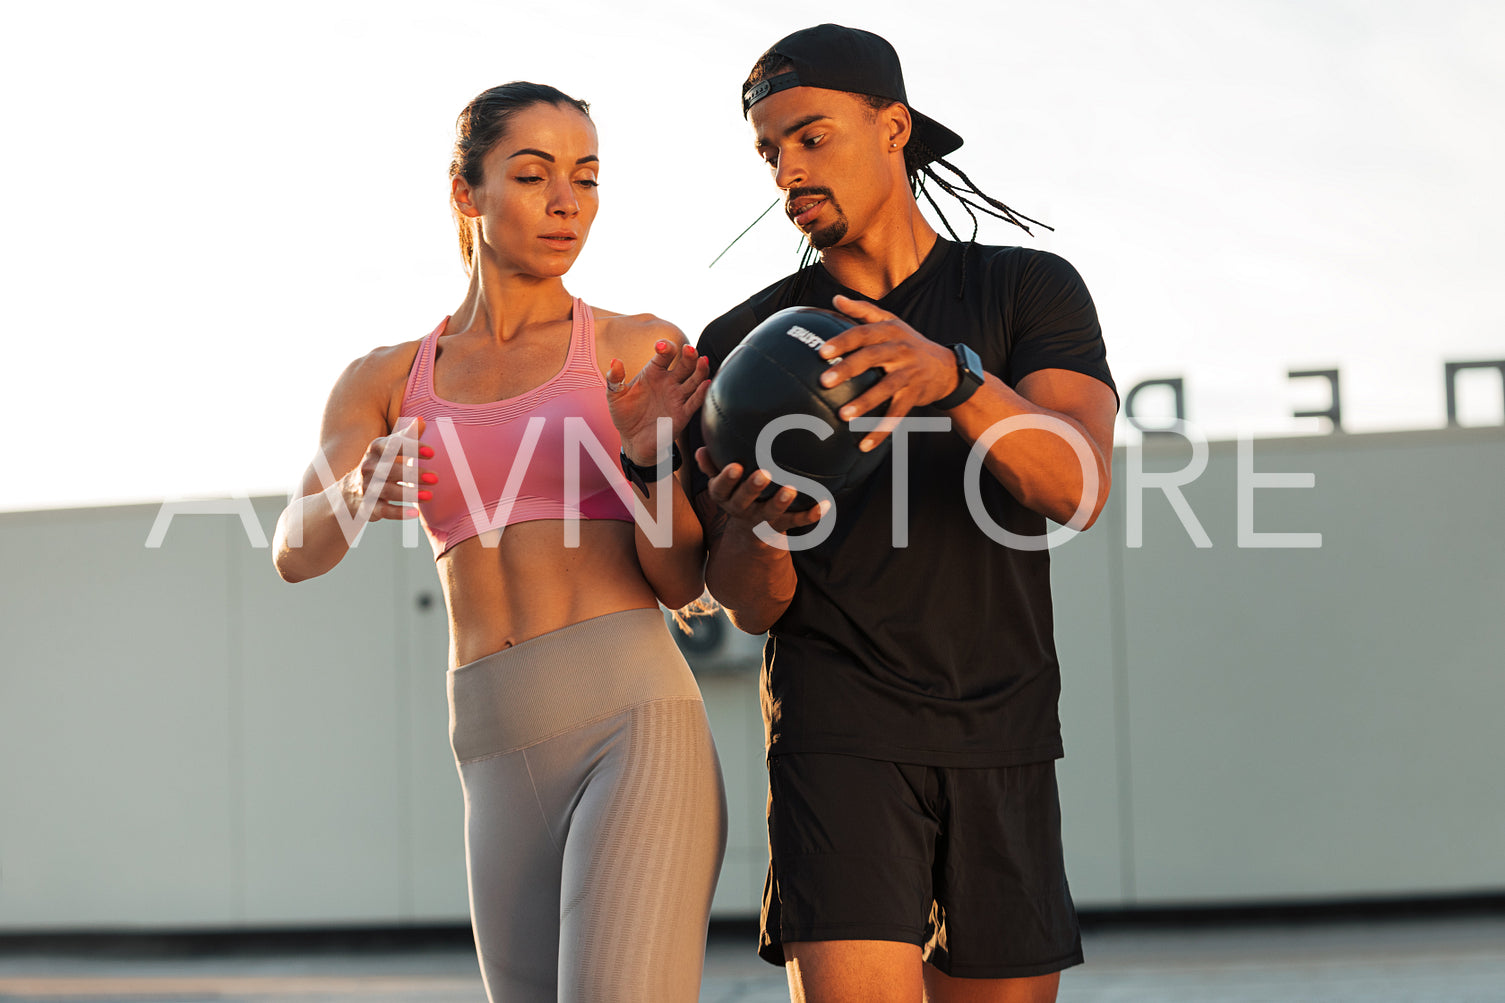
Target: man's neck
x=889, y=252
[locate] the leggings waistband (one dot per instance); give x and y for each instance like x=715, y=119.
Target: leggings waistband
x=549, y=684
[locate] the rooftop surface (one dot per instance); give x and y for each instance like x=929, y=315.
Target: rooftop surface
x=1456, y=956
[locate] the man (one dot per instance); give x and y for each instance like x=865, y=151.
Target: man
x=910, y=691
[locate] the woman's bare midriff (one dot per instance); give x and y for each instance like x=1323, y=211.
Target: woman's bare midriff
x=529, y=583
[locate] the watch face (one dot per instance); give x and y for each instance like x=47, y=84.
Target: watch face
x=969, y=360
x=969, y=377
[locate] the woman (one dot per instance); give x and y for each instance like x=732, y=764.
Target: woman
x=595, y=814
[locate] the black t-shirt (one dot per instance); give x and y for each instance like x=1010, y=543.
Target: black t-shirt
x=941, y=652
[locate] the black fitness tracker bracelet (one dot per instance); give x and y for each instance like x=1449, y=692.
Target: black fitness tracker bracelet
x=642, y=476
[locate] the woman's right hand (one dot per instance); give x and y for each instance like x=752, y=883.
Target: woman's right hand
x=389, y=479
x=348, y=482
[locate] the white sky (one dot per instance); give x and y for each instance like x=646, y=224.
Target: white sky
x=208, y=211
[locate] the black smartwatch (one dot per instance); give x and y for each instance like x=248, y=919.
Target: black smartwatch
x=969, y=376
x=642, y=476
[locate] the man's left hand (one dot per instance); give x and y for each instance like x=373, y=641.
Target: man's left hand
x=916, y=370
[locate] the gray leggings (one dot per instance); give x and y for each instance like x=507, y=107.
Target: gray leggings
x=595, y=817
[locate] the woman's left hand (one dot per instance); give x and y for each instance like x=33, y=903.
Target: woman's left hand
x=673, y=384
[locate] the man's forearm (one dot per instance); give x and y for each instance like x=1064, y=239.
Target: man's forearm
x=754, y=582
x=1040, y=467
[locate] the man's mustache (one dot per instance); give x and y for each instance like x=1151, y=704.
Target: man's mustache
x=795, y=194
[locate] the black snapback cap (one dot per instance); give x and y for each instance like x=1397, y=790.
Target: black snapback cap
x=838, y=58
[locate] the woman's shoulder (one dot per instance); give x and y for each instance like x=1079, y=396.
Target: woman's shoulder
x=635, y=333
x=635, y=325
x=382, y=364
x=377, y=378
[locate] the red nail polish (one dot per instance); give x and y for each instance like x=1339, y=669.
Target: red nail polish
x=427, y=452
x=425, y=495
x=662, y=346
x=428, y=478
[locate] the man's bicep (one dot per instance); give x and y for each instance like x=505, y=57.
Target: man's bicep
x=1085, y=399
x=1055, y=325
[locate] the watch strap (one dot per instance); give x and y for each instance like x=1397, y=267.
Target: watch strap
x=643, y=476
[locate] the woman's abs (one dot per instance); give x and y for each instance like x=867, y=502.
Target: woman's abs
x=528, y=582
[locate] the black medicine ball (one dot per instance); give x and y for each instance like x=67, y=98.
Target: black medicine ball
x=775, y=371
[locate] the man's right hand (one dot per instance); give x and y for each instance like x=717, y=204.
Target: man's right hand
x=735, y=491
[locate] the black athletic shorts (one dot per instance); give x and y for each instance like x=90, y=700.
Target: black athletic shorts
x=965, y=863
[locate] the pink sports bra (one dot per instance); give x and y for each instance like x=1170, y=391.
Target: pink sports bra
x=513, y=460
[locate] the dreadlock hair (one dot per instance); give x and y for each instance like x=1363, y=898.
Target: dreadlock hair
x=919, y=164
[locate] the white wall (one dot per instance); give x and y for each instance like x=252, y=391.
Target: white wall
x=186, y=741
x=1323, y=723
